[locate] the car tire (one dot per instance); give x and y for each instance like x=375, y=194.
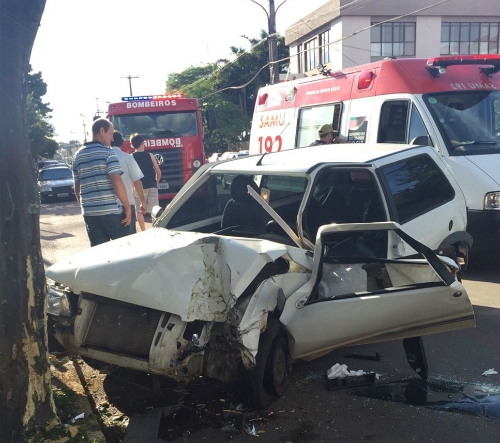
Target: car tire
x=269, y=380
x=224, y=183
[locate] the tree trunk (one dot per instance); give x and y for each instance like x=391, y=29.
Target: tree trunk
x=25, y=389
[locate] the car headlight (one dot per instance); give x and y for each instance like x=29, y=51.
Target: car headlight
x=196, y=164
x=58, y=303
x=492, y=200
x=45, y=188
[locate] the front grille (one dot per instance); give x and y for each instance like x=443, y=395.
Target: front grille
x=171, y=169
x=121, y=328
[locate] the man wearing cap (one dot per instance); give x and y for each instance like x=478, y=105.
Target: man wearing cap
x=326, y=136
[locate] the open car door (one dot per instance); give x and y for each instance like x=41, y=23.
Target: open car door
x=357, y=295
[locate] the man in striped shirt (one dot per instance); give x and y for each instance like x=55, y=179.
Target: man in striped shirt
x=97, y=176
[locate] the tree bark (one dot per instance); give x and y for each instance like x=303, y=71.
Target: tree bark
x=26, y=402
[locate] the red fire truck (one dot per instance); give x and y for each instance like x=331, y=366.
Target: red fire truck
x=173, y=128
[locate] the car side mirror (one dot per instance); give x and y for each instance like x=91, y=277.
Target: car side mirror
x=424, y=140
x=156, y=212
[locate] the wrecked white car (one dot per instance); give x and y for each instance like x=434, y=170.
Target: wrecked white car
x=298, y=258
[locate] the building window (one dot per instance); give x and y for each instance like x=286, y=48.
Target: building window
x=310, y=54
x=299, y=58
x=393, y=39
x=324, y=47
x=469, y=38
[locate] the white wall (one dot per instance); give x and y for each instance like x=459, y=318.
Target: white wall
x=428, y=42
x=355, y=48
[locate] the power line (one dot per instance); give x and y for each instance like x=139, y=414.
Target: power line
x=317, y=47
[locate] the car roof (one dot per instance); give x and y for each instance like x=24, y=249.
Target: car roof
x=55, y=167
x=301, y=160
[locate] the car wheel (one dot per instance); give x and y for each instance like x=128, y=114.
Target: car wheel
x=462, y=251
x=270, y=377
x=224, y=183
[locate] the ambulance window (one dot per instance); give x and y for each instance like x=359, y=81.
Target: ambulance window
x=393, y=122
x=417, y=185
x=417, y=128
x=310, y=120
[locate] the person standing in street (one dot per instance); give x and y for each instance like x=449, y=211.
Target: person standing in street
x=152, y=174
x=132, y=175
x=99, y=188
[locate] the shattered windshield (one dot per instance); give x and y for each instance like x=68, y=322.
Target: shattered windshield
x=221, y=204
x=469, y=121
x=159, y=124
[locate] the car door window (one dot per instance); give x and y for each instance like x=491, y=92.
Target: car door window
x=393, y=122
x=417, y=186
x=343, y=195
x=418, y=130
x=310, y=119
x=355, y=262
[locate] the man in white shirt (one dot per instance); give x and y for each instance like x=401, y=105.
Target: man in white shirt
x=132, y=175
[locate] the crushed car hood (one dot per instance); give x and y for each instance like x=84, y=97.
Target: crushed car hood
x=196, y=276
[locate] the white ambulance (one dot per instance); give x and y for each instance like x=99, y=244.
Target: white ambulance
x=451, y=103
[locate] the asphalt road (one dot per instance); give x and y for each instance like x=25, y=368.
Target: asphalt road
x=458, y=404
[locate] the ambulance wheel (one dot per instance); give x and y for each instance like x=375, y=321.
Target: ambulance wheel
x=271, y=375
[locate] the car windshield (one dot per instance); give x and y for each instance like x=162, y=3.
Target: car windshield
x=153, y=125
x=230, y=210
x=55, y=174
x=221, y=204
x=469, y=121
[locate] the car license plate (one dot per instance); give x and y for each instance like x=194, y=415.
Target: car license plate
x=163, y=185
x=63, y=195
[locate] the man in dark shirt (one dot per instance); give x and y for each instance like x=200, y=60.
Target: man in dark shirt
x=152, y=174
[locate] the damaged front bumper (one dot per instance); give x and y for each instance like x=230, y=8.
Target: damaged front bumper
x=216, y=333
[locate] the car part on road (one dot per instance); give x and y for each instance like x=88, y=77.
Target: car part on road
x=415, y=354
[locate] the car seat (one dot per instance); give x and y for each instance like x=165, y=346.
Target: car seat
x=242, y=209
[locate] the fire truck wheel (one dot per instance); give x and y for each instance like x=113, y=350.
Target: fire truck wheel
x=270, y=377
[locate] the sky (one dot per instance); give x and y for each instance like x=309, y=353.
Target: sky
x=86, y=49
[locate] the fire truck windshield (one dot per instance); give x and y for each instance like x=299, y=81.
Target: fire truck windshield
x=157, y=124
x=469, y=121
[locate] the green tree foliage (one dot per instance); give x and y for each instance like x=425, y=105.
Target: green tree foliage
x=40, y=131
x=230, y=88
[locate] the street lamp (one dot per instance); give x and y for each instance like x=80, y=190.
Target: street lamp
x=84, y=131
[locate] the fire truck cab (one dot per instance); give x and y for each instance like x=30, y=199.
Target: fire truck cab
x=451, y=103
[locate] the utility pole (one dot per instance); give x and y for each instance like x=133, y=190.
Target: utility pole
x=84, y=130
x=272, y=39
x=130, y=82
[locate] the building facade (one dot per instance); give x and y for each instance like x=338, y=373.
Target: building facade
x=344, y=33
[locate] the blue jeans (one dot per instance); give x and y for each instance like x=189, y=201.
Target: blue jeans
x=103, y=228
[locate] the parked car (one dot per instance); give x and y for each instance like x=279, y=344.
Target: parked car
x=55, y=182
x=314, y=249
x=43, y=164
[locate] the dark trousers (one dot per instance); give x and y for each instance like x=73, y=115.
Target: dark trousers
x=103, y=228
x=132, y=227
